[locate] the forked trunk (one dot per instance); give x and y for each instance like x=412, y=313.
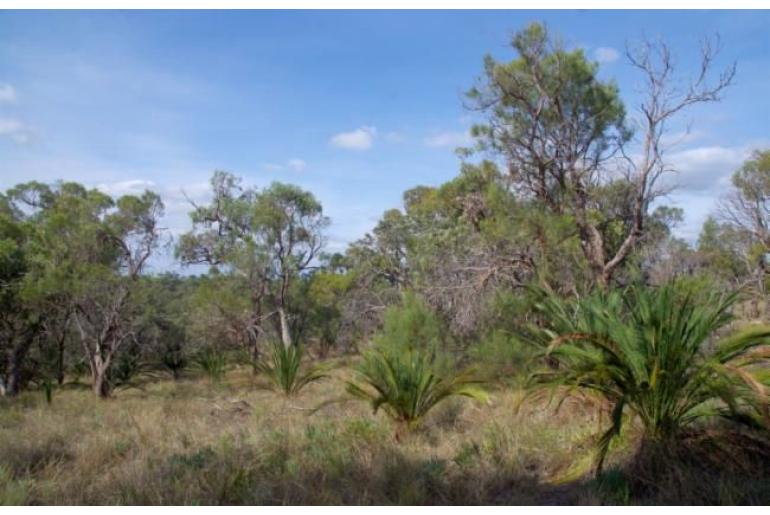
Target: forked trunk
x=100, y=385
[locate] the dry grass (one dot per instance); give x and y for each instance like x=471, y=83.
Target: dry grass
x=192, y=442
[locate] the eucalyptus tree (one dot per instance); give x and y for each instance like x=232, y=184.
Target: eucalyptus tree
x=562, y=133
x=18, y=325
x=86, y=253
x=745, y=213
x=268, y=237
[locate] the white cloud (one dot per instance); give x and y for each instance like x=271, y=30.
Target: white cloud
x=448, y=139
x=7, y=93
x=296, y=164
x=14, y=129
x=359, y=139
x=272, y=167
x=129, y=187
x=702, y=177
x=706, y=168
x=394, y=137
x=605, y=54
x=685, y=137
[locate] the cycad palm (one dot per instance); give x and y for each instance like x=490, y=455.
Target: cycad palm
x=407, y=385
x=652, y=352
x=283, y=369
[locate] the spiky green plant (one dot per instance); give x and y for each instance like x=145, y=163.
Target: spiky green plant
x=654, y=353
x=213, y=363
x=283, y=369
x=406, y=385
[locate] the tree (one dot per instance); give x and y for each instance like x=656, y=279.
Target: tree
x=292, y=225
x=562, y=133
x=19, y=326
x=87, y=252
x=746, y=211
x=268, y=237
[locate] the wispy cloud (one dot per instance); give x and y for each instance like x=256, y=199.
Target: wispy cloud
x=394, y=137
x=448, y=139
x=129, y=187
x=605, y=54
x=7, y=93
x=15, y=130
x=706, y=169
x=359, y=139
x=296, y=164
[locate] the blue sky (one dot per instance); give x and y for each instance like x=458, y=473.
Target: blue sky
x=356, y=106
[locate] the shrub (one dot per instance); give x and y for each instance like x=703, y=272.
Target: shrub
x=212, y=363
x=502, y=355
x=652, y=352
x=283, y=369
x=406, y=385
x=411, y=326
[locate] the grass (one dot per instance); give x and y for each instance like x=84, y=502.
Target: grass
x=183, y=442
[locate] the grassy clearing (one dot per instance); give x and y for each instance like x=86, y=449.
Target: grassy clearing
x=198, y=442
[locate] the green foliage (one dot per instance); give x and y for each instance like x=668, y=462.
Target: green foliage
x=652, y=352
x=502, y=355
x=411, y=326
x=283, y=369
x=13, y=492
x=564, y=89
x=753, y=178
x=406, y=385
x=212, y=362
x=720, y=245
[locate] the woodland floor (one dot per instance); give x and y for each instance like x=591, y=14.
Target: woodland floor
x=194, y=442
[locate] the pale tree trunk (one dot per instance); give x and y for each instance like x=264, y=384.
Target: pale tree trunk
x=99, y=358
x=100, y=385
x=285, y=333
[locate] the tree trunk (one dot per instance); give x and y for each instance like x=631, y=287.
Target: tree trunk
x=60, y=362
x=100, y=384
x=285, y=333
x=13, y=370
x=253, y=351
x=99, y=381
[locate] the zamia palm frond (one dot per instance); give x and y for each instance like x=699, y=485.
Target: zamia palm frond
x=406, y=385
x=284, y=371
x=654, y=353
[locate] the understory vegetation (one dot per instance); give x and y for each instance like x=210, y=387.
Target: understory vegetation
x=530, y=332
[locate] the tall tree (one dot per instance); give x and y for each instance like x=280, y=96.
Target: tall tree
x=18, y=324
x=562, y=133
x=87, y=252
x=745, y=210
x=268, y=237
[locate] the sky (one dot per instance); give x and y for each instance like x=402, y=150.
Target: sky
x=355, y=106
